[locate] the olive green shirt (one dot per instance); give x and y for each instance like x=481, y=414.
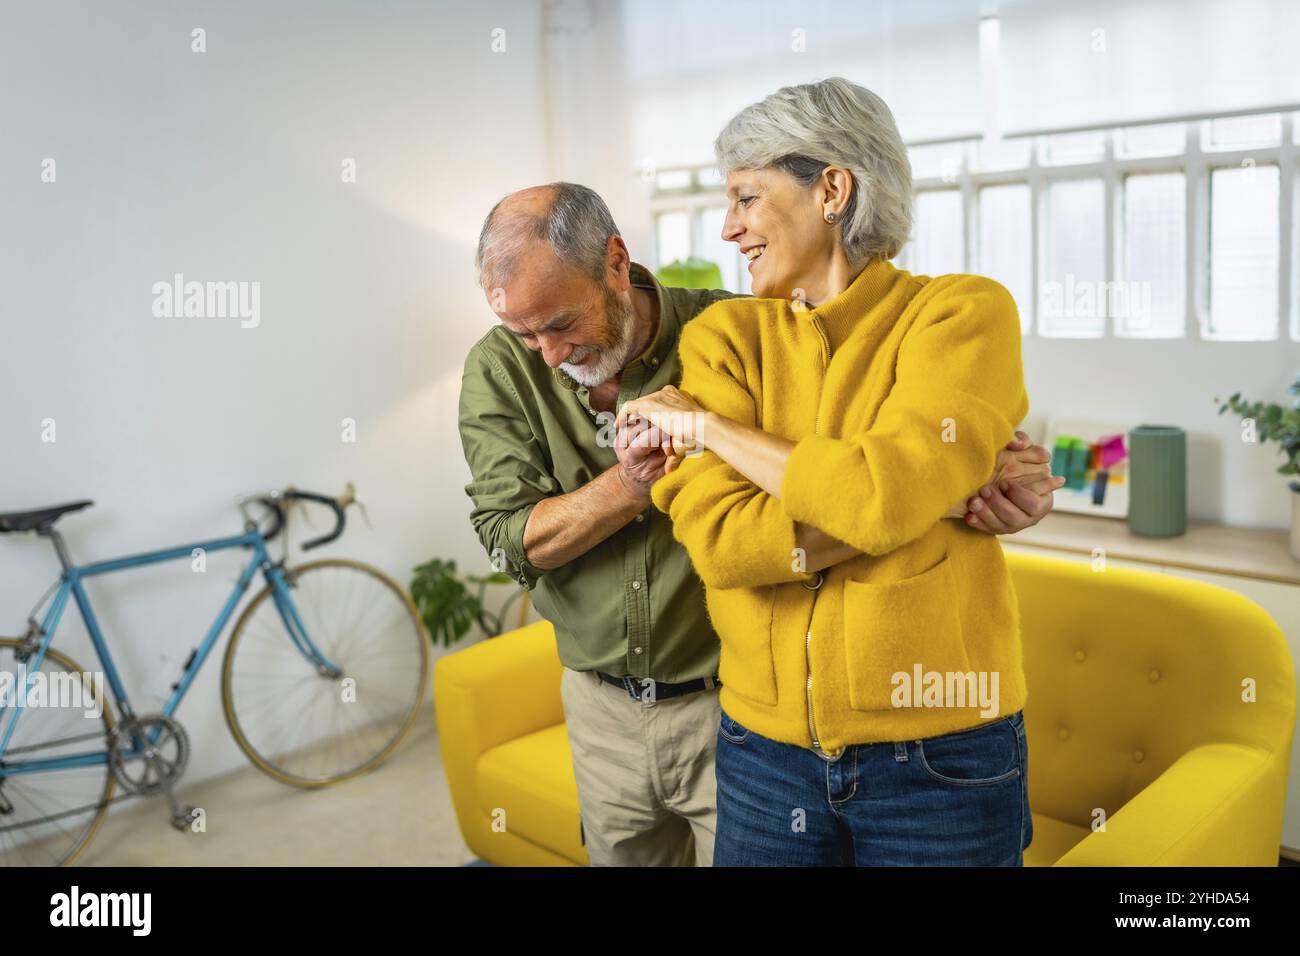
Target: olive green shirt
x=632, y=606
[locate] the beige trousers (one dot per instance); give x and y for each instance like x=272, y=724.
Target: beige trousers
x=645, y=775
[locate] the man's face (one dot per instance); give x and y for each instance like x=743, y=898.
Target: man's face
x=578, y=324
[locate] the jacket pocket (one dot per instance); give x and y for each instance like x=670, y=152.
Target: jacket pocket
x=745, y=665
x=891, y=627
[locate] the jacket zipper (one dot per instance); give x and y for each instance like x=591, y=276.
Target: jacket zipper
x=812, y=724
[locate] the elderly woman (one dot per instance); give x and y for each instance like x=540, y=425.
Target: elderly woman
x=872, y=684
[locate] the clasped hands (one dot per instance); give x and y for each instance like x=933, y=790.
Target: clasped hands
x=657, y=432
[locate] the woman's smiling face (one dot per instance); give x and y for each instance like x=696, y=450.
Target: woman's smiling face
x=779, y=227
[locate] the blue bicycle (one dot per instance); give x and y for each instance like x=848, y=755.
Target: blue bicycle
x=324, y=674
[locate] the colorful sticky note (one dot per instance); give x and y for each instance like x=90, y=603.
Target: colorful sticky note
x=1099, y=488
x=1070, y=459
x=1112, y=449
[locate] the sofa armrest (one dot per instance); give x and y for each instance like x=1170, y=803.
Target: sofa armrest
x=485, y=695
x=1217, y=805
x=498, y=690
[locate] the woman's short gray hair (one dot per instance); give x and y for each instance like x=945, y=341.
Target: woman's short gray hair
x=803, y=129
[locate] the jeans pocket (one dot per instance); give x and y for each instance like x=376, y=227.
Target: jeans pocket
x=979, y=757
x=732, y=730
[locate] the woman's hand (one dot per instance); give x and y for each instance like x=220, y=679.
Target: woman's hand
x=677, y=416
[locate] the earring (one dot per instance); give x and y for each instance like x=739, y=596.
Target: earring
x=830, y=217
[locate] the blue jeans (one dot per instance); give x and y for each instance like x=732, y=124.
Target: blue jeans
x=959, y=799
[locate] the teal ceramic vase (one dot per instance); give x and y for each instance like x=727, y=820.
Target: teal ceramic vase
x=1157, y=503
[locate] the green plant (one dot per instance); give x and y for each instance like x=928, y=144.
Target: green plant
x=1274, y=423
x=446, y=605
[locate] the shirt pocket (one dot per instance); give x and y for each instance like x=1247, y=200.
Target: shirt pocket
x=893, y=626
x=746, y=665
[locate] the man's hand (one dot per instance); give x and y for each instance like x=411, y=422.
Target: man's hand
x=638, y=445
x=1020, y=492
x=677, y=418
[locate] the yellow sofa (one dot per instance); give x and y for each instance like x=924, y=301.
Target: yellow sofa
x=1161, y=706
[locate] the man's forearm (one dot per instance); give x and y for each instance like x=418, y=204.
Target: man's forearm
x=564, y=527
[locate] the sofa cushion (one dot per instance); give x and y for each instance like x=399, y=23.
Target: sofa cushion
x=531, y=780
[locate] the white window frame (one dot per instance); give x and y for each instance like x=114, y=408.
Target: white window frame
x=1194, y=163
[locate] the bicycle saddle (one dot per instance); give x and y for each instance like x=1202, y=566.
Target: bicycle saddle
x=39, y=519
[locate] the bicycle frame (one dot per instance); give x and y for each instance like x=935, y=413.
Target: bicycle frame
x=71, y=586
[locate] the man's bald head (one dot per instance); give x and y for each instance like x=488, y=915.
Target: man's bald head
x=571, y=219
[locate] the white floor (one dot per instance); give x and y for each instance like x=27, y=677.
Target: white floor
x=398, y=815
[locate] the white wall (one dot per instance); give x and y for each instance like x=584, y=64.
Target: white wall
x=226, y=166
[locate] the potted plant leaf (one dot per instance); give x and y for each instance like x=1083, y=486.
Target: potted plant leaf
x=1274, y=422
x=449, y=608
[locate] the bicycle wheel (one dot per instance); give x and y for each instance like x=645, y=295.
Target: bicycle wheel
x=47, y=817
x=300, y=724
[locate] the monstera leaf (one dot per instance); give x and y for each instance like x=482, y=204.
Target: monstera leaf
x=446, y=605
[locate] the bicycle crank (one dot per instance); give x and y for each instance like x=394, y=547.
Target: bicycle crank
x=148, y=754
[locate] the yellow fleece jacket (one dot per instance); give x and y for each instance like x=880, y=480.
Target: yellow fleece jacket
x=899, y=393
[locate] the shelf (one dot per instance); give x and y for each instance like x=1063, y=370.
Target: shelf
x=1257, y=553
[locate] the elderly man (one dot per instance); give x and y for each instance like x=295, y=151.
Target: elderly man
x=562, y=503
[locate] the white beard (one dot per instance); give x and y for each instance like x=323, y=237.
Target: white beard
x=610, y=361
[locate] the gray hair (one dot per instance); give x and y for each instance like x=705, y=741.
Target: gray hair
x=577, y=226
x=803, y=129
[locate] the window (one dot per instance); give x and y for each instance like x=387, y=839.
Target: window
x=672, y=238
x=673, y=179
x=938, y=161
x=996, y=154
x=1068, y=148
x=1151, y=293
x=1159, y=139
x=726, y=254
x=1242, y=132
x=1005, y=252
x=936, y=247
x=1071, y=293
x=1244, y=254
x=1093, y=232
x=1295, y=256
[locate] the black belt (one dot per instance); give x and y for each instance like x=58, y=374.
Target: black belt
x=643, y=688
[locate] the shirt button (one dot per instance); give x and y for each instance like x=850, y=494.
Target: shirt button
x=654, y=362
x=636, y=650
x=640, y=517
x=636, y=585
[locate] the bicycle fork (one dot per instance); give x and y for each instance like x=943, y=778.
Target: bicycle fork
x=293, y=624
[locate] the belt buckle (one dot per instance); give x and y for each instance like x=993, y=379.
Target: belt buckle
x=629, y=685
